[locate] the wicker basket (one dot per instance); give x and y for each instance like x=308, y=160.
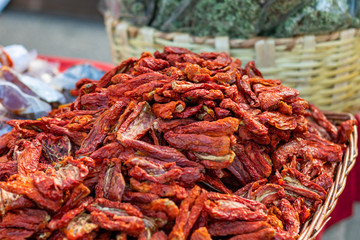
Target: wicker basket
x=322, y=215
x=325, y=69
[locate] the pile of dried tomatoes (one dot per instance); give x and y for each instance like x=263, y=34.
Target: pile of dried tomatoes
x=174, y=145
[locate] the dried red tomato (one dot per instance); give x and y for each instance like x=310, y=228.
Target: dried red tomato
x=143, y=153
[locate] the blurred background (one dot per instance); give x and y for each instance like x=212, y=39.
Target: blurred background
x=62, y=28
x=75, y=28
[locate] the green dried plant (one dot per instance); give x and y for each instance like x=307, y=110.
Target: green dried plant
x=317, y=19
x=242, y=18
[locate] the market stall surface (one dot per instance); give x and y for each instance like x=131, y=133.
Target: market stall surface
x=347, y=229
x=55, y=35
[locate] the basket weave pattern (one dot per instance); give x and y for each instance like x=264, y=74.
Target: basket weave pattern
x=322, y=215
x=325, y=69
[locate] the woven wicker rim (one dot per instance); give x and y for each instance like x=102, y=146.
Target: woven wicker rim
x=312, y=228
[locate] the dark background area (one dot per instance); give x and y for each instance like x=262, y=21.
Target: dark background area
x=72, y=8
x=66, y=28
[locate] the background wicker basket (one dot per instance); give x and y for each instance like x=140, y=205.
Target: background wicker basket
x=325, y=69
x=322, y=215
